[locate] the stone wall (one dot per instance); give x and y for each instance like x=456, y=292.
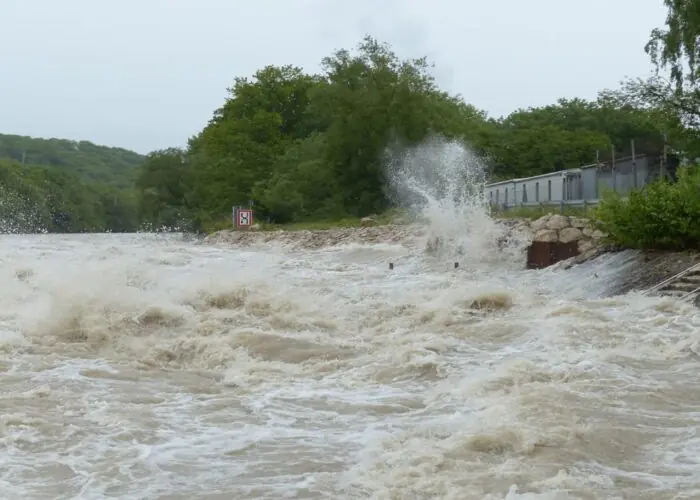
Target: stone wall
x=558, y=237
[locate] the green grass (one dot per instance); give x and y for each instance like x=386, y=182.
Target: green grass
x=319, y=225
x=542, y=210
x=388, y=217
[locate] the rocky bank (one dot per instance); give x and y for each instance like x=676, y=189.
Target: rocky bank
x=306, y=239
x=642, y=269
x=550, y=229
x=581, y=240
x=565, y=238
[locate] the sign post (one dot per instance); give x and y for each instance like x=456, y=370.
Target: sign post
x=243, y=217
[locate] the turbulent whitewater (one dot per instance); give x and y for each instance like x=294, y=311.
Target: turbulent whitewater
x=148, y=367
x=151, y=367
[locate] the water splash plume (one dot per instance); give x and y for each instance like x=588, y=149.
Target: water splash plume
x=442, y=181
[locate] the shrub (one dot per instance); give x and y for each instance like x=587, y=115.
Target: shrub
x=663, y=215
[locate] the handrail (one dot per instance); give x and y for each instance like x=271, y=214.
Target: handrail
x=692, y=292
x=672, y=278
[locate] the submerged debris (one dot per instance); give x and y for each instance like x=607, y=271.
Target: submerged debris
x=492, y=302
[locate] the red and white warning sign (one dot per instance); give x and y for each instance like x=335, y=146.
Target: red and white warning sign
x=244, y=218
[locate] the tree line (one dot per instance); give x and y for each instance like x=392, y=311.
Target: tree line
x=58, y=185
x=36, y=198
x=115, y=167
x=305, y=147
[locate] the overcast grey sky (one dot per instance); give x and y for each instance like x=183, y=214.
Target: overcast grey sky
x=148, y=74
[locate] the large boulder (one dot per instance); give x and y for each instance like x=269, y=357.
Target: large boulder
x=558, y=222
x=585, y=245
x=578, y=222
x=540, y=223
x=546, y=236
x=569, y=234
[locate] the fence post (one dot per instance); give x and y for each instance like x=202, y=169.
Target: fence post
x=612, y=170
x=634, y=166
x=664, y=164
x=597, y=174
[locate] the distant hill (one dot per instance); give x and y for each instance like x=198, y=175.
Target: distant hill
x=92, y=163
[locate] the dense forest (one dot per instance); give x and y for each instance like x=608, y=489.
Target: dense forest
x=305, y=146
x=36, y=198
x=58, y=185
x=92, y=163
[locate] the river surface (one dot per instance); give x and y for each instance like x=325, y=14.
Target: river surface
x=150, y=367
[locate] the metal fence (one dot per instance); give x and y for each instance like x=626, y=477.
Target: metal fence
x=562, y=206
x=579, y=188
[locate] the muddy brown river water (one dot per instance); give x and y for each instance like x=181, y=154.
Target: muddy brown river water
x=150, y=367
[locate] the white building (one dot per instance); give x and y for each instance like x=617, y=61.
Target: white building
x=545, y=188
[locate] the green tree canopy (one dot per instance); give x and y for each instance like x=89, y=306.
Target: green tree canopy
x=302, y=146
x=37, y=199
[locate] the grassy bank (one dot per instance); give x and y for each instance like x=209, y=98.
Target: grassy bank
x=393, y=216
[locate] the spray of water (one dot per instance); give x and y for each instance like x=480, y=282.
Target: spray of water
x=19, y=214
x=442, y=181
x=182, y=225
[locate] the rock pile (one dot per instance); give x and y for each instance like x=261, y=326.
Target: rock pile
x=305, y=239
x=560, y=230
